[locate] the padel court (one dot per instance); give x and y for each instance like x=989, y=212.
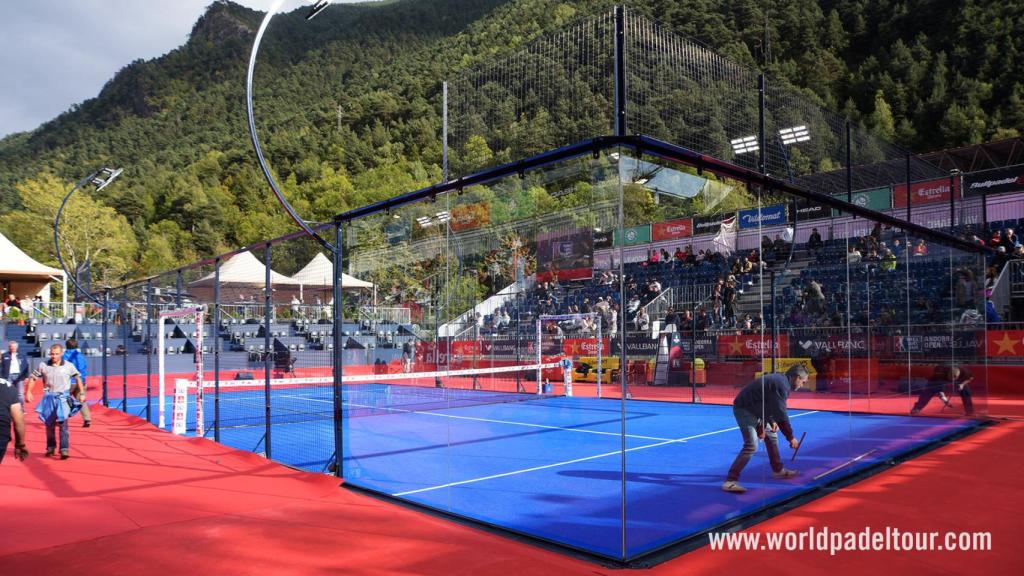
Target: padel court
x=566, y=470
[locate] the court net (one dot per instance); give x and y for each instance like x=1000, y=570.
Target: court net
x=243, y=403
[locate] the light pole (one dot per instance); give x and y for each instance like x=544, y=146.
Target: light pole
x=101, y=179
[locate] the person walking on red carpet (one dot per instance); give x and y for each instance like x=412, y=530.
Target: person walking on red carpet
x=75, y=356
x=60, y=399
x=760, y=411
x=11, y=413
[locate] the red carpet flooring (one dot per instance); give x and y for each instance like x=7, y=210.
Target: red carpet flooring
x=134, y=500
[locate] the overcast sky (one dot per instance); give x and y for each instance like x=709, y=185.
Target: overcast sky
x=55, y=53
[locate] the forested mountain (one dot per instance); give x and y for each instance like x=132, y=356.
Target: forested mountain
x=349, y=107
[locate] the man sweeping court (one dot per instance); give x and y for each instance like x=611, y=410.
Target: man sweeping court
x=760, y=411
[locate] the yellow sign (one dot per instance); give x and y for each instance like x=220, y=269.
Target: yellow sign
x=783, y=364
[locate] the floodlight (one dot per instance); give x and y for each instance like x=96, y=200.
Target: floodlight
x=744, y=145
x=794, y=135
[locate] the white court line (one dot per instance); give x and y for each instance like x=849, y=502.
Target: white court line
x=584, y=459
x=489, y=420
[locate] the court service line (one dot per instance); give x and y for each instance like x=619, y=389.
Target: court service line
x=492, y=421
x=575, y=461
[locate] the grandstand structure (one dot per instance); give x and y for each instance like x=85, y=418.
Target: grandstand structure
x=720, y=224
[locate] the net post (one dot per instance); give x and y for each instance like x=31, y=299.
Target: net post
x=161, y=403
x=149, y=353
x=600, y=345
x=537, y=344
x=200, y=412
x=336, y=356
x=125, y=321
x=267, y=303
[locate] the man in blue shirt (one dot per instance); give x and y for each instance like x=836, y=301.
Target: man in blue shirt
x=75, y=357
x=760, y=411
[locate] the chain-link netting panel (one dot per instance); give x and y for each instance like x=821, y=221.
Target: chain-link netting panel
x=556, y=90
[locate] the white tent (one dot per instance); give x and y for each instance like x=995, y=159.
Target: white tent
x=25, y=275
x=242, y=278
x=317, y=275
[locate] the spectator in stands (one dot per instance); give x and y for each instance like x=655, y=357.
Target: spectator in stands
x=11, y=412
x=814, y=297
x=633, y=305
x=760, y=412
x=1018, y=253
x=585, y=307
x=678, y=258
x=888, y=262
x=60, y=398
x=612, y=320
x=27, y=306
x=780, y=247
x=853, y=255
x=1000, y=258
x=716, y=301
x=506, y=319
x=814, y=242
x=653, y=257
x=898, y=248
x=666, y=259
x=295, y=306
x=1010, y=240
x=691, y=258
x=642, y=321
x=13, y=302
x=15, y=368
x=766, y=244
x=671, y=320
x=729, y=303
x=655, y=287
x=699, y=258
x=76, y=358
x=920, y=249
x=991, y=316
x=964, y=288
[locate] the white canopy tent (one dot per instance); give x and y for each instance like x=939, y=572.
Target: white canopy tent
x=316, y=277
x=242, y=278
x=23, y=276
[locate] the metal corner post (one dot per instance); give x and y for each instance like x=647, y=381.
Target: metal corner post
x=336, y=357
x=620, y=71
x=105, y=346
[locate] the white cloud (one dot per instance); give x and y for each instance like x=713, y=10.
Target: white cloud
x=56, y=53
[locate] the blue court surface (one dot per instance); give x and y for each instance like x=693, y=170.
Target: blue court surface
x=554, y=468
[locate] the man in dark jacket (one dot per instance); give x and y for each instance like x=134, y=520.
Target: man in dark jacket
x=11, y=413
x=14, y=367
x=75, y=356
x=760, y=411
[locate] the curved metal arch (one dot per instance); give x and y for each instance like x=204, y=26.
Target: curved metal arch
x=256, y=141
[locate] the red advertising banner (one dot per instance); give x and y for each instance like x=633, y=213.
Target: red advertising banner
x=751, y=345
x=672, y=229
x=924, y=192
x=584, y=346
x=468, y=216
x=1005, y=343
x=465, y=348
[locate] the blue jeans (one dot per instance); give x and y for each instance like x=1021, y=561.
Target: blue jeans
x=65, y=436
x=747, y=423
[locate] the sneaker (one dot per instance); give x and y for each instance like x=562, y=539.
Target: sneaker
x=64, y=455
x=915, y=411
x=50, y=451
x=785, y=473
x=733, y=486
x=87, y=424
